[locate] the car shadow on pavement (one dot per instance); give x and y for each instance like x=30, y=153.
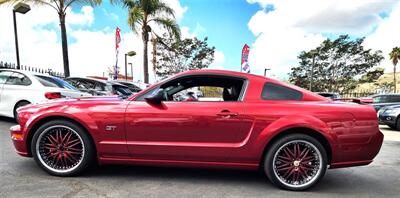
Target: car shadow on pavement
x=6, y=119
x=333, y=182
x=178, y=173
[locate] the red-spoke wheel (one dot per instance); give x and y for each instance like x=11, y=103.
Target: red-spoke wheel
x=297, y=163
x=60, y=149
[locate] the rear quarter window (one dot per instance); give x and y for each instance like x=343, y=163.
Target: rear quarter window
x=273, y=91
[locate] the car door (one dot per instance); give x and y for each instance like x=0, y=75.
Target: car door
x=16, y=88
x=185, y=130
x=4, y=74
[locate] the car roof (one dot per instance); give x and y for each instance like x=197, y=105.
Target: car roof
x=116, y=83
x=326, y=93
x=306, y=93
x=388, y=94
x=25, y=72
x=90, y=79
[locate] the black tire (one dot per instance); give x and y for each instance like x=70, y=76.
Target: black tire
x=397, y=126
x=18, y=105
x=63, y=165
x=276, y=168
x=394, y=127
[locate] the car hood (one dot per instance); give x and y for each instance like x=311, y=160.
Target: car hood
x=69, y=101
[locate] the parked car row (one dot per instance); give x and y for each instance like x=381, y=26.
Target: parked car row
x=99, y=87
x=19, y=88
x=387, y=106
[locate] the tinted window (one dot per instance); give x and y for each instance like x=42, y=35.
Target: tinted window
x=49, y=81
x=131, y=86
x=121, y=90
x=4, y=76
x=18, y=79
x=81, y=83
x=393, y=98
x=276, y=92
x=46, y=83
x=99, y=87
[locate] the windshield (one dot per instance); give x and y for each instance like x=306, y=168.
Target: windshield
x=49, y=81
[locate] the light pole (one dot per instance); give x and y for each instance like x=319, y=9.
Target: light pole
x=131, y=53
x=20, y=8
x=265, y=71
x=130, y=64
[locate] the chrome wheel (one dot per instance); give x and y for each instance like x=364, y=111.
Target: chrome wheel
x=60, y=149
x=297, y=163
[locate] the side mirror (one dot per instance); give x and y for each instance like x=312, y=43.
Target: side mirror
x=156, y=98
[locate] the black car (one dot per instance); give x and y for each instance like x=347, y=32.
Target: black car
x=389, y=115
x=134, y=88
x=383, y=100
x=99, y=87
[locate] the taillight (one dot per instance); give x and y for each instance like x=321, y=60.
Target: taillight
x=52, y=95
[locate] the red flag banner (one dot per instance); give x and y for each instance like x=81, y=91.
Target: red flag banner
x=117, y=38
x=245, y=67
x=117, y=41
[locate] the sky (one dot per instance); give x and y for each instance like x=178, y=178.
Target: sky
x=276, y=31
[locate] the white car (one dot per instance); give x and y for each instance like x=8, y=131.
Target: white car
x=19, y=88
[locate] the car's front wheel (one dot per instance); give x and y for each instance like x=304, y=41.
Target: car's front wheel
x=295, y=162
x=62, y=148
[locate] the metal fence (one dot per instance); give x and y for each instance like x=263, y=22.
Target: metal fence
x=359, y=94
x=5, y=65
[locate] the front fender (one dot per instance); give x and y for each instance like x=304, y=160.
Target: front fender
x=41, y=114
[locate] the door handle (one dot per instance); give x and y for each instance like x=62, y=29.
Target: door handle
x=227, y=114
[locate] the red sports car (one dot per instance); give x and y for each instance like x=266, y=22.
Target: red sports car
x=238, y=120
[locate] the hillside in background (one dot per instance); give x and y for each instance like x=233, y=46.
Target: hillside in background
x=383, y=85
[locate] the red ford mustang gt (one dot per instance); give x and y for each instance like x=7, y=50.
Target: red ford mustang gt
x=232, y=120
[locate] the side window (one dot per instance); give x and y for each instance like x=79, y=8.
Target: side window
x=200, y=93
x=202, y=88
x=99, y=86
x=18, y=79
x=393, y=98
x=377, y=99
x=277, y=92
x=4, y=76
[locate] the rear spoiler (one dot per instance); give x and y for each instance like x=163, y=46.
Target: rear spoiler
x=355, y=100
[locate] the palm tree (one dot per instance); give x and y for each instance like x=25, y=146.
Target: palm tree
x=395, y=56
x=142, y=14
x=61, y=7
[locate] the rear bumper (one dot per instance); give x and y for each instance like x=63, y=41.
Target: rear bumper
x=19, y=142
x=359, y=155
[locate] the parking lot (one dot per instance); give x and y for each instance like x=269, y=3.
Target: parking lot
x=20, y=177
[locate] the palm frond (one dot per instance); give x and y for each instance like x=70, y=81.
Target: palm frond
x=135, y=18
x=170, y=25
x=395, y=55
x=126, y=3
x=92, y=3
x=162, y=8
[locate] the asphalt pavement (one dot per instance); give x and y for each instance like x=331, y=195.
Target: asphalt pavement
x=21, y=177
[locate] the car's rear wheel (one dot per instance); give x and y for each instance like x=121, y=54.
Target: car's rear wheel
x=295, y=162
x=62, y=148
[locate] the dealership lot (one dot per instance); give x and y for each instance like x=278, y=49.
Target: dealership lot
x=21, y=177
